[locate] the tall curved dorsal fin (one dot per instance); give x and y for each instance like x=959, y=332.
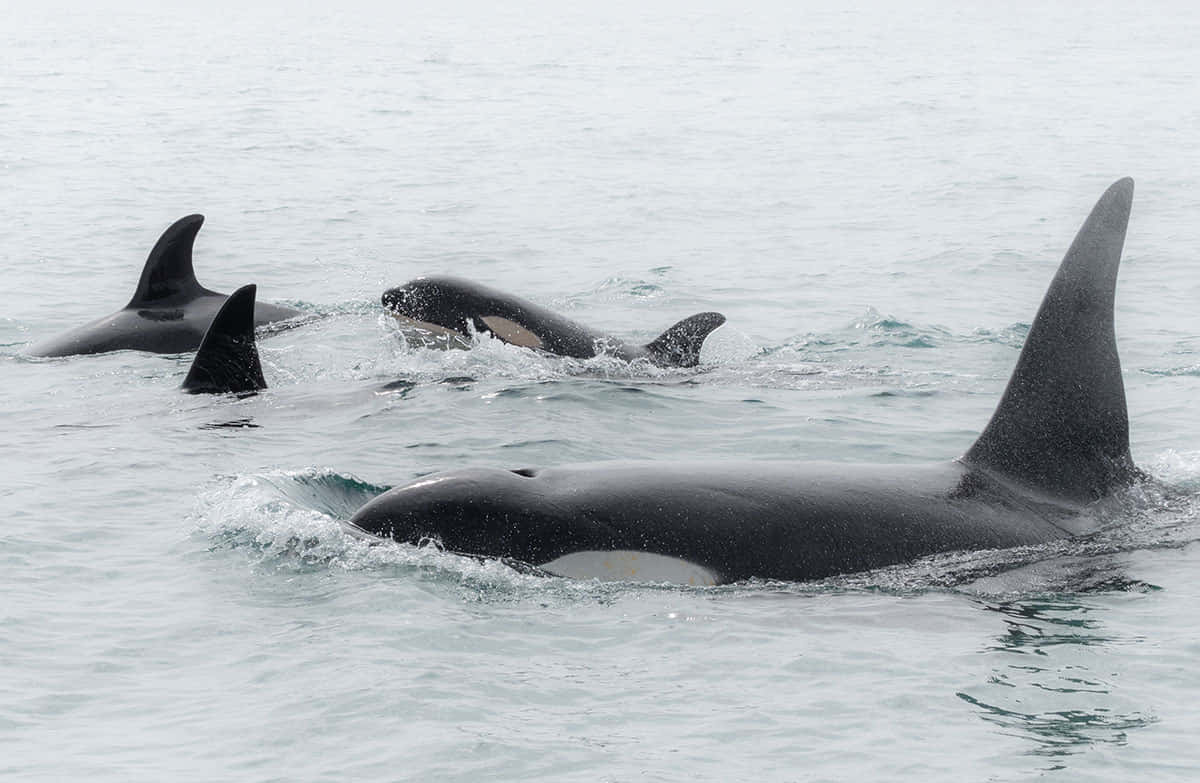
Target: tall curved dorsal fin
x=679, y=346
x=228, y=357
x=1062, y=425
x=168, y=273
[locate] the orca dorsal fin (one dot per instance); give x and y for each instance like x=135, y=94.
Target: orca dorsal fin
x=679, y=346
x=1062, y=426
x=228, y=357
x=168, y=273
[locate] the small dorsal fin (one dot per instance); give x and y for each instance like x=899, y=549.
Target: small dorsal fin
x=679, y=346
x=1062, y=426
x=168, y=277
x=228, y=357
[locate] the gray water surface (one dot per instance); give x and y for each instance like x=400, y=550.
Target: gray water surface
x=876, y=198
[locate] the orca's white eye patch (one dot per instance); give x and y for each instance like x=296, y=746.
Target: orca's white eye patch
x=628, y=566
x=511, y=332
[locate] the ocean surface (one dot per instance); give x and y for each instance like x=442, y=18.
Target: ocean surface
x=876, y=198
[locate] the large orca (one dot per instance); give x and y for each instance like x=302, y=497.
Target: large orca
x=169, y=311
x=227, y=360
x=449, y=307
x=1058, y=441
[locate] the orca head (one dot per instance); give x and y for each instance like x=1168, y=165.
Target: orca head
x=434, y=305
x=488, y=512
x=447, y=307
x=515, y=515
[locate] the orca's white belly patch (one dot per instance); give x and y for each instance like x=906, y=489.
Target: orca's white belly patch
x=426, y=335
x=628, y=566
x=511, y=332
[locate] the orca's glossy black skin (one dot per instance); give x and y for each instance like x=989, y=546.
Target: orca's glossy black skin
x=1058, y=441
x=457, y=306
x=771, y=520
x=227, y=360
x=169, y=312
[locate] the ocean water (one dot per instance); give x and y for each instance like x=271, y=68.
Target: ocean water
x=876, y=198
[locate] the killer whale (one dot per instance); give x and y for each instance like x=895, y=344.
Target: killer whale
x=1057, y=442
x=450, y=307
x=169, y=311
x=227, y=361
